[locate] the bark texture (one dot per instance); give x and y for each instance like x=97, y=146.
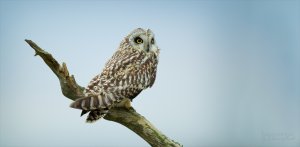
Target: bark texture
x=128, y=118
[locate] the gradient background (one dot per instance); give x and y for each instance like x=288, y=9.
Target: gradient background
x=229, y=71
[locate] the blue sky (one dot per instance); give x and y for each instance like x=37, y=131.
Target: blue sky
x=228, y=72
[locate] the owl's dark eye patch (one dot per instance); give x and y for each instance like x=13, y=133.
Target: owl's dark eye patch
x=138, y=40
x=152, y=40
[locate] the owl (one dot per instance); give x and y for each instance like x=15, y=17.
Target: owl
x=130, y=70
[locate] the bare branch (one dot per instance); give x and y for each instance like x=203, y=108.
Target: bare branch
x=69, y=87
x=129, y=118
x=141, y=126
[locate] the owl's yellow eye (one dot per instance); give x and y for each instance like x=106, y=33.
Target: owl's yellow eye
x=138, y=40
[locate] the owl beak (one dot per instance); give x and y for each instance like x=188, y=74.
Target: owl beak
x=148, y=47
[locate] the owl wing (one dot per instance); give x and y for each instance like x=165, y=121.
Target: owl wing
x=118, y=80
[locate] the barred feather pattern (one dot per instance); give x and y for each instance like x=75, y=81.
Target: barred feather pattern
x=126, y=74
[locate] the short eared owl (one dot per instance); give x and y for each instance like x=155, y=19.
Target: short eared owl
x=130, y=70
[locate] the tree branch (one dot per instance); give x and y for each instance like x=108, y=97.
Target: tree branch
x=129, y=118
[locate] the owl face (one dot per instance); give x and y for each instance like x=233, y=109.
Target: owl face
x=143, y=40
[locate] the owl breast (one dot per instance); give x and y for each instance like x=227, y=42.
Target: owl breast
x=127, y=73
x=129, y=77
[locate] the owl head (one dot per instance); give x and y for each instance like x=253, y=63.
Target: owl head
x=142, y=40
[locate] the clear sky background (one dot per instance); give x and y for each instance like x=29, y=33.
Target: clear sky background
x=229, y=71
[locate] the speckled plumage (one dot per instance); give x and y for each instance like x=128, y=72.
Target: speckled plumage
x=130, y=70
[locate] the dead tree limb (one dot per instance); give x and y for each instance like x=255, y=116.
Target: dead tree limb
x=129, y=118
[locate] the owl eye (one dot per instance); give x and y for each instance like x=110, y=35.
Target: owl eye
x=152, y=40
x=138, y=40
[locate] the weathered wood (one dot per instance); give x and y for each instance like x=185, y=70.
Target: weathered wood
x=129, y=118
x=69, y=87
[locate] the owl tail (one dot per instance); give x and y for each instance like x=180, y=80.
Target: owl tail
x=94, y=115
x=93, y=102
x=97, y=106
